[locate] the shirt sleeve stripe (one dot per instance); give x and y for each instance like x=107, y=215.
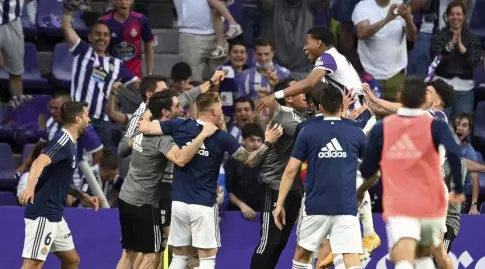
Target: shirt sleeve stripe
x=134, y=120
x=59, y=144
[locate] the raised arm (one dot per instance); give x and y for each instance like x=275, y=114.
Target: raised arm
x=188, y=97
x=365, y=30
x=294, y=89
x=66, y=24
x=385, y=105
x=181, y=157
x=253, y=159
x=111, y=111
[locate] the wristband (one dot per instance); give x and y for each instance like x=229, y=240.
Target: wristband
x=279, y=95
x=474, y=203
x=268, y=144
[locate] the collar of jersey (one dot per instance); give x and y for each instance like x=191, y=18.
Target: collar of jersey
x=200, y=122
x=331, y=118
x=69, y=134
x=319, y=115
x=410, y=112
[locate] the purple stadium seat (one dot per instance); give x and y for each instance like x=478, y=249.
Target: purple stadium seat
x=482, y=208
x=7, y=169
x=62, y=65
x=30, y=30
x=27, y=150
x=477, y=23
x=7, y=198
x=479, y=129
x=49, y=17
x=5, y=131
x=31, y=76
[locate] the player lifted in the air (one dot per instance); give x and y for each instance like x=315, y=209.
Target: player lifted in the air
x=332, y=147
x=49, y=183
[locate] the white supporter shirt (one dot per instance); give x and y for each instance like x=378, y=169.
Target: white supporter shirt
x=194, y=17
x=340, y=73
x=384, y=54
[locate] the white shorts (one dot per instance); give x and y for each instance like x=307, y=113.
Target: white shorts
x=342, y=231
x=43, y=236
x=426, y=231
x=194, y=225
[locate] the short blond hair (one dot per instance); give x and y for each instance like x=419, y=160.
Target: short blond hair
x=205, y=101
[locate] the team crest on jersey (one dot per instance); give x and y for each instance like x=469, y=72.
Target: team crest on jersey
x=44, y=251
x=99, y=74
x=133, y=33
x=124, y=51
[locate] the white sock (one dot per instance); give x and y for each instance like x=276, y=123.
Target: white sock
x=424, y=263
x=365, y=213
x=179, y=262
x=207, y=263
x=338, y=262
x=404, y=265
x=299, y=265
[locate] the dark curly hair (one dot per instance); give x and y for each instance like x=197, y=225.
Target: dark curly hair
x=445, y=91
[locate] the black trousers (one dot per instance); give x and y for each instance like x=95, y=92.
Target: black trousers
x=273, y=240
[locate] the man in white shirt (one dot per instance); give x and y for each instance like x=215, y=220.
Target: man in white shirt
x=382, y=28
x=196, y=36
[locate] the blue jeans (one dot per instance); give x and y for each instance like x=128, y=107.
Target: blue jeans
x=418, y=59
x=252, y=19
x=464, y=103
x=104, y=131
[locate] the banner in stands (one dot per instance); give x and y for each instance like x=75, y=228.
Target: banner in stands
x=97, y=239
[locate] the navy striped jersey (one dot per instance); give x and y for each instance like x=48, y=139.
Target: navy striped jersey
x=332, y=148
x=229, y=87
x=196, y=182
x=93, y=77
x=53, y=185
x=252, y=81
x=10, y=10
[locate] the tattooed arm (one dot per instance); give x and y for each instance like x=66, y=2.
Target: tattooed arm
x=251, y=159
x=76, y=193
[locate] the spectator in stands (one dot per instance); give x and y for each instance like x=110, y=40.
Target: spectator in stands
x=341, y=11
x=196, y=38
x=463, y=124
x=12, y=44
x=234, y=67
x=460, y=52
x=244, y=113
x=106, y=173
x=129, y=31
x=258, y=81
x=285, y=24
x=94, y=73
x=181, y=75
x=219, y=8
x=89, y=145
x=382, y=28
x=252, y=18
x=241, y=181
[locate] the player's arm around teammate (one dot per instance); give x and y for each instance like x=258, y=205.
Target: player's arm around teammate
x=254, y=158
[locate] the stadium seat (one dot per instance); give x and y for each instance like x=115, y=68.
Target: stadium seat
x=479, y=129
x=477, y=23
x=62, y=65
x=482, y=208
x=49, y=17
x=31, y=76
x=27, y=150
x=7, y=198
x=30, y=30
x=7, y=169
x=479, y=78
x=5, y=131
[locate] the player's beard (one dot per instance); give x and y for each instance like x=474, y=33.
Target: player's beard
x=82, y=131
